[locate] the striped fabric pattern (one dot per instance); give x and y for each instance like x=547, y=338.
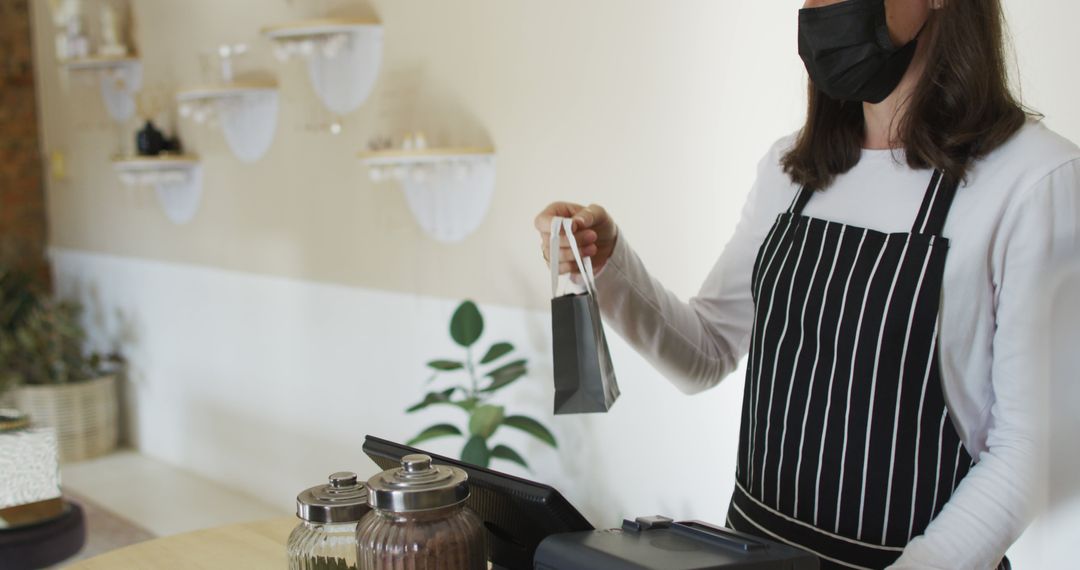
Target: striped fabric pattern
x=846, y=446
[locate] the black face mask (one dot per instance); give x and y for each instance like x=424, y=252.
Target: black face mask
x=848, y=52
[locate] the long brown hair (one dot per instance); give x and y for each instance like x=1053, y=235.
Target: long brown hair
x=960, y=110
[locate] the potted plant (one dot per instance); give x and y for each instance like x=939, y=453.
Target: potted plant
x=17, y=299
x=52, y=380
x=483, y=379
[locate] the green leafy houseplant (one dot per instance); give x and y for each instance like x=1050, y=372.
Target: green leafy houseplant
x=41, y=340
x=493, y=372
x=17, y=301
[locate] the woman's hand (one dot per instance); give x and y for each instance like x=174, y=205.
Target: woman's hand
x=595, y=231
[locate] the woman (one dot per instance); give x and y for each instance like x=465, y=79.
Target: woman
x=880, y=279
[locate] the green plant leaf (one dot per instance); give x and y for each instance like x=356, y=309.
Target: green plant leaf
x=435, y=431
x=476, y=452
x=503, y=452
x=504, y=375
x=503, y=381
x=485, y=420
x=508, y=368
x=468, y=404
x=433, y=398
x=498, y=349
x=467, y=324
x=445, y=365
x=531, y=427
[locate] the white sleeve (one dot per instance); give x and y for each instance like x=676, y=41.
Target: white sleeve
x=695, y=344
x=995, y=502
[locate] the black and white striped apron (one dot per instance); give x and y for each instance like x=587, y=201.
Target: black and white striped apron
x=847, y=449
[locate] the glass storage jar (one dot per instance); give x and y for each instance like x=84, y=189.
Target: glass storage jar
x=419, y=520
x=325, y=539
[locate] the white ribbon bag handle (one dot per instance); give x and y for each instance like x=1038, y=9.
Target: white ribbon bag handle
x=584, y=265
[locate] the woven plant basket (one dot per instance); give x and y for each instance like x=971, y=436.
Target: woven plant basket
x=84, y=415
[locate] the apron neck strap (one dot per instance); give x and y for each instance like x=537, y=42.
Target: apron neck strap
x=800, y=201
x=936, y=205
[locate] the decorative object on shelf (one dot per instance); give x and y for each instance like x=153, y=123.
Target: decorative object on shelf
x=246, y=112
x=226, y=53
x=56, y=383
x=119, y=78
x=343, y=57
x=483, y=379
x=149, y=141
x=176, y=179
x=112, y=32
x=71, y=41
x=448, y=189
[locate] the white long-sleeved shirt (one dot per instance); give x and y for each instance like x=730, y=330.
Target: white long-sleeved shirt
x=1015, y=221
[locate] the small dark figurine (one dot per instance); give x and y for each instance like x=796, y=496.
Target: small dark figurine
x=149, y=141
x=172, y=145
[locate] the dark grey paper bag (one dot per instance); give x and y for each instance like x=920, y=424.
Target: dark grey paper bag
x=584, y=377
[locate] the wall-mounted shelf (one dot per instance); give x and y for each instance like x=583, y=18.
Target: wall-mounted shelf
x=422, y=156
x=247, y=113
x=343, y=57
x=448, y=189
x=99, y=62
x=176, y=179
x=119, y=77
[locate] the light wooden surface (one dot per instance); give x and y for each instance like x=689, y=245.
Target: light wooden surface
x=99, y=62
x=318, y=26
x=433, y=151
x=226, y=90
x=157, y=162
x=255, y=545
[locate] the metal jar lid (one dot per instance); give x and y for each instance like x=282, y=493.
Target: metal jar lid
x=342, y=500
x=418, y=486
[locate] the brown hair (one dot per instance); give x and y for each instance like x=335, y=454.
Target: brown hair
x=960, y=110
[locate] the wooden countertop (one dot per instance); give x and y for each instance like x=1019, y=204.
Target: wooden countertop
x=255, y=545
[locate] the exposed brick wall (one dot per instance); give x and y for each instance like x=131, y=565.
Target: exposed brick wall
x=22, y=197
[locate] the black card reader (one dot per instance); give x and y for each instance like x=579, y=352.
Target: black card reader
x=660, y=543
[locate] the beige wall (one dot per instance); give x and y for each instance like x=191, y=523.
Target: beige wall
x=658, y=109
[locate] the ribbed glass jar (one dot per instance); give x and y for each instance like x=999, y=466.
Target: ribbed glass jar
x=317, y=546
x=450, y=538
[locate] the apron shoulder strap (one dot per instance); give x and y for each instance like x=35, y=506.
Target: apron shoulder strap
x=936, y=204
x=797, y=205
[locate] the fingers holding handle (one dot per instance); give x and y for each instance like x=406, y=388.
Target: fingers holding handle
x=584, y=265
x=583, y=219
